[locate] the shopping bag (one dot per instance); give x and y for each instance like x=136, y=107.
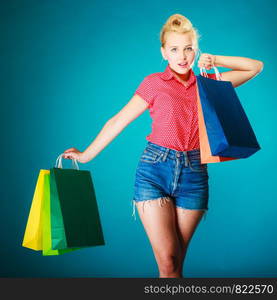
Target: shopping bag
x=33, y=232
x=37, y=234
x=57, y=224
x=73, y=192
x=205, y=151
x=46, y=222
x=228, y=129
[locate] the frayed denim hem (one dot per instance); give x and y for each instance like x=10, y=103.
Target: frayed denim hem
x=162, y=201
x=204, y=209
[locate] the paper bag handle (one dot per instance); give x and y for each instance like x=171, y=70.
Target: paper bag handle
x=217, y=74
x=59, y=162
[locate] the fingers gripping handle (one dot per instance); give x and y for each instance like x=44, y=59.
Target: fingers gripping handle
x=59, y=162
x=204, y=73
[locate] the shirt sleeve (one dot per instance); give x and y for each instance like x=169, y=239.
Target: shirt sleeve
x=145, y=90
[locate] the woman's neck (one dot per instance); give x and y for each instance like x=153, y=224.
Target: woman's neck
x=182, y=77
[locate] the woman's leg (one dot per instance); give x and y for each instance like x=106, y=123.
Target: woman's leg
x=186, y=224
x=160, y=225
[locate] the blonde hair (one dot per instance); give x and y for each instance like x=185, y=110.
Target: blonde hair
x=179, y=23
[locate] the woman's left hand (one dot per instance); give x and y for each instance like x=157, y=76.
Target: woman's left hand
x=206, y=61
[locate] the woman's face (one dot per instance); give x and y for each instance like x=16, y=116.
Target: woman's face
x=179, y=49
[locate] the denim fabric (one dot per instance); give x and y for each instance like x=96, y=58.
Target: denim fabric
x=170, y=175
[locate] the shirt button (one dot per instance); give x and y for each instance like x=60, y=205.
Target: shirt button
x=178, y=154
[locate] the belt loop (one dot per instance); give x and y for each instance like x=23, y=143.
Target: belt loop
x=186, y=158
x=165, y=154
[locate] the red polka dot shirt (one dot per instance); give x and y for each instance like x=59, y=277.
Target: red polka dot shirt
x=173, y=109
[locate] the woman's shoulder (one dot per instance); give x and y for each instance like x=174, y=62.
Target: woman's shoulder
x=153, y=78
x=149, y=82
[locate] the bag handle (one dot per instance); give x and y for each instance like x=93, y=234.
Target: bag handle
x=205, y=74
x=59, y=162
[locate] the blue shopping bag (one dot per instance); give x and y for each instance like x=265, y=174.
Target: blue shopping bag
x=228, y=128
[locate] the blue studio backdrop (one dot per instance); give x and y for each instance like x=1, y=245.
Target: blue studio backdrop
x=69, y=66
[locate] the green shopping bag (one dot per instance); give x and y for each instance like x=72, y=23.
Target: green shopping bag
x=57, y=225
x=46, y=222
x=75, y=219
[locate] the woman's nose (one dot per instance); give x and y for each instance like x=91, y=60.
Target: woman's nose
x=183, y=55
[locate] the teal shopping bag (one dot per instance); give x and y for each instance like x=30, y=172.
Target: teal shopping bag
x=75, y=218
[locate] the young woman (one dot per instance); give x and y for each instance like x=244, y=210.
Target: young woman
x=170, y=177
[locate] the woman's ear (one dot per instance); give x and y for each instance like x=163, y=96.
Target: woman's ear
x=163, y=53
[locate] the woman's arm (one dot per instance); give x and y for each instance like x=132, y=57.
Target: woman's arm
x=243, y=68
x=135, y=107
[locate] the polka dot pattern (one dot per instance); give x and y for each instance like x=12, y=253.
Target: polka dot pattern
x=173, y=109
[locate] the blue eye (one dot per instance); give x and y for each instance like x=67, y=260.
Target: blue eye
x=188, y=48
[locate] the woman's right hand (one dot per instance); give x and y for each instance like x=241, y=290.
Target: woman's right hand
x=73, y=153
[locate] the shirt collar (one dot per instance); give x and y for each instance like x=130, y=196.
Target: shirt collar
x=168, y=74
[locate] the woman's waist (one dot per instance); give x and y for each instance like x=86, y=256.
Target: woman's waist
x=170, y=152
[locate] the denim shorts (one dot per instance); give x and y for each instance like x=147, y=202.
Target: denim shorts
x=166, y=174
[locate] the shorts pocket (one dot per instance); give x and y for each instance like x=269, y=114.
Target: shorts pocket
x=151, y=155
x=196, y=166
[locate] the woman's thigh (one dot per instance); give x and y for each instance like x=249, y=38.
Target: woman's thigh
x=187, y=221
x=159, y=222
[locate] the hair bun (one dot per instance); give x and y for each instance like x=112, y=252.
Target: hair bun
x=176, y=21
x=181, y=24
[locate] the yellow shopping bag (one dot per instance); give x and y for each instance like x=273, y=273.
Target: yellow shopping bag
x=38, y=229
x=33, y=232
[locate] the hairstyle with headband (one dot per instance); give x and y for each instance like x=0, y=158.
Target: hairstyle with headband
x=179, y=23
